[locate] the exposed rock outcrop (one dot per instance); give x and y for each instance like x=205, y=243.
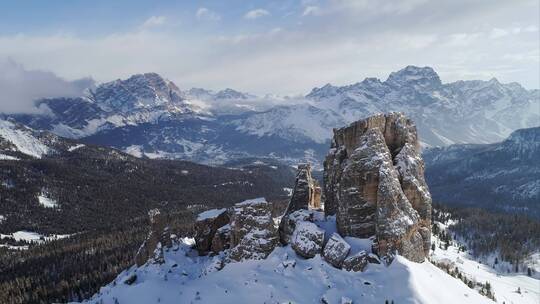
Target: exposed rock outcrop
x=307, y=239
x=374, y=184
x=288, y=224
x=336, y=250
x=303, y=197
x=253, y=235
x=303, y=191
x=356, y=262
x=206, y=226
x=158, y=237
x=222, y=239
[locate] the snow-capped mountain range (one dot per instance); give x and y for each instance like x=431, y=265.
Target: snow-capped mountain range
x=148, y=115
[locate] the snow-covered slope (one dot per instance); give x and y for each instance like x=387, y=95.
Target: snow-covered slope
x=19, y=139
x=504, y=285
x=284, y=277
x=299, y=123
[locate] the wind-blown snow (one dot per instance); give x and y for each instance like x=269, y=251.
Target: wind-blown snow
x=22, y=139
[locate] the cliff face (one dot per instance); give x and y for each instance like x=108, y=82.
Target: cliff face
x=158, y=237
x=374, y=184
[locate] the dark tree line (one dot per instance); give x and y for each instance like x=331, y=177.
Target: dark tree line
x=103, y=198
x=74, y=269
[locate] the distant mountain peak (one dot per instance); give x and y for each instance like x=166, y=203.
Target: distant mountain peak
x=230, y=94
x=414, y=75
x=138, y=91
x=325, y=91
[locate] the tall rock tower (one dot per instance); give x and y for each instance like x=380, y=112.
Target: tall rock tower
x=374, y=184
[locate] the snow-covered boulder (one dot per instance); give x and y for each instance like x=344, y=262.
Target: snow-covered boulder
x=356, y=262
x=289, y=221
x=253, y=235
x=307, y=239
x=206, y=225
x=336, y=250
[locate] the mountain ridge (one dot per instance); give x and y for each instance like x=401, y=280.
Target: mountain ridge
x=286, y=128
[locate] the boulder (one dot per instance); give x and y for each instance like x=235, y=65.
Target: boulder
x=158, y=237
x=374, y=184
x=206, y=225
x=336, y=250
x=253, y=235
x=356, y=262
x=288, y=224
x=222, y=239
x=307, y=239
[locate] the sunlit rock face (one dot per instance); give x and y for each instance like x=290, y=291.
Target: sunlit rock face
x=374, y=184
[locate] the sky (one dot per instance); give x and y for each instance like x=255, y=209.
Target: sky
x=282, y=47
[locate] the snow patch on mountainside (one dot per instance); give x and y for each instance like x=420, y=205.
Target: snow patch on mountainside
x=29, y=236
x=7, y=157
x=298, y=123
x=47, y=202
x=22, y=139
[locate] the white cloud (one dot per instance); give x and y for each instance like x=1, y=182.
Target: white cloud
x=154, y=21
x=311, y=10
x=256, y=13
x=531, y=29
x=340, y=46
x=498, y=33
x=205, y=14
x=463, y=39
x=21, y=88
